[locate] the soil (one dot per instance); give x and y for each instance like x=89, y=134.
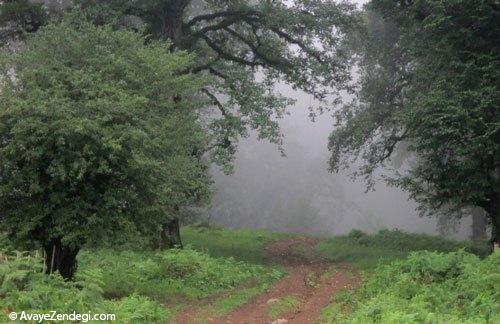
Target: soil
x=310, y=279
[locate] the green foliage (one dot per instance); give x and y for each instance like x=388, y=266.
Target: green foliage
x=131, y=284
x=285, y=41
x=18, y=17
x=429, y=78
x=24, y=287
x=139, y=309
x=282, y=306
x=366, y=251
x=170, y=275
x=244, y=245
x=93, y=139
x=427, y=287
x=235, y=299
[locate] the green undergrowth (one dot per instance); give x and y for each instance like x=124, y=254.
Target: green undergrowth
x=172, y=275
x=366, y=251
x=426, y=287
x=282, y=306
x=244, y=245
x=24, y=287
x=134, y=285
x=232, y=300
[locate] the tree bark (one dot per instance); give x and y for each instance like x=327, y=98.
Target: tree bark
x=493, y=210
x=171, y=235
x=495, y=235
x=60, y=258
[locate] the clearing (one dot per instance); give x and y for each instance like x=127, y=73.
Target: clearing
x=257, y=276
x=299, y=297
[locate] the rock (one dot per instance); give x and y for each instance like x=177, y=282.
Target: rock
x=280, y=321
x=272, y=300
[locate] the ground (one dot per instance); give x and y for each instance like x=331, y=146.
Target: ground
x=258, y=276
x=299, y=297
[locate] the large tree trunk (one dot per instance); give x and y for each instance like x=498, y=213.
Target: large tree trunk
x=493, y=210
x=170, y=15
x=171, y=235
x=478, y=225
x=495, y=236
x=60, y=258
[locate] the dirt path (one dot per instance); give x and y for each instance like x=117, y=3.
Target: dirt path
x=310, y=281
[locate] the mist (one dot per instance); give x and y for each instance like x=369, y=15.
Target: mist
x=297, y=193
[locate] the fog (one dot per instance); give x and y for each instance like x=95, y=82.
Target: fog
x=297, y=193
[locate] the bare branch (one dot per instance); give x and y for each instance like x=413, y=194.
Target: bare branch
x=225, y=55
x=256, y=51
x=215, y=101
x=390, y=148
x=212, y=16
x=314, y=53
x=217, y=73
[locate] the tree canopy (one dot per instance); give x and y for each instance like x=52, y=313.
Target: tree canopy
x=20, y=16
x=248, y=47
x=430, y=76
x=92, y=139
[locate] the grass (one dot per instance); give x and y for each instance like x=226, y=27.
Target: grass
x=24, y=287
x=231, y=301
x=225, y=269
x=172, y=275
x=425, y=287
x=366, y=251
x=282, y=306
x=136, y=285
x=243, y=245
x=387, y=300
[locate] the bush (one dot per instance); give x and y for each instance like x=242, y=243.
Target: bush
x=139, y=309
x=429, y=287
x=366, y=251
x=24, y=287
x=171, y=274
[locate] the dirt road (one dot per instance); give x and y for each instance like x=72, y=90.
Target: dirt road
x=311, y=282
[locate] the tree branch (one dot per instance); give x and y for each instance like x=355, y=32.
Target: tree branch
x=215, y=101
x=217, y=73
x=390, y=148
x=205, y=66
x=299, y=43
x=256, y=50
x=212, y=16
x=225, y=55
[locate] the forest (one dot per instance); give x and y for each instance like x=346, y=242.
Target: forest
x=258, y=161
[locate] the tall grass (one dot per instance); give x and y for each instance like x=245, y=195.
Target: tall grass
x=172, y=275
x=366, y=251
x=134, y=285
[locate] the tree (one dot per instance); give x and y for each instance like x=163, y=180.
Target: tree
x=18, y=17
x=92, y=139
x=439, y=94
x=248, y=47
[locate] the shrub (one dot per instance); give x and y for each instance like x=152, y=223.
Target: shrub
x=366, y=251
x=23, y=287
x=170, y=274
x=429, y=287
